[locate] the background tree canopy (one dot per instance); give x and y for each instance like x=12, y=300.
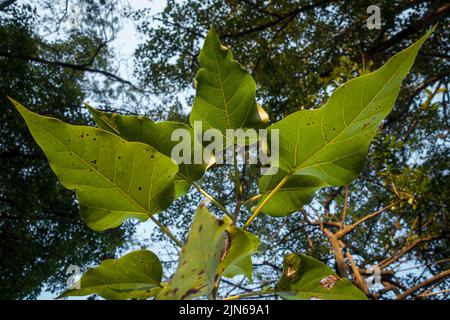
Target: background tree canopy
x=298, y=52
x=40, y=229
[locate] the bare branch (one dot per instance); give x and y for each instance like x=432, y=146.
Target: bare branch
x=274, y=22
x=404, y=250
x=351, y=227
x=79, y=67
x=344, y=213
x=423, y=284
x=412, y=29
x=357, y=276
x=343, y=269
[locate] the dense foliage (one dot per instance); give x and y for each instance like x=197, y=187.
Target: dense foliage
x=298, y=52
x=124, y=171
x=40, y=230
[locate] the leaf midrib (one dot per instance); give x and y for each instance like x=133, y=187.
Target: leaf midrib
x=225, y=104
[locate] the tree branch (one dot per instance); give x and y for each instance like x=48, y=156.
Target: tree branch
x=276, y=21
x=423, y=284
x=412, y=29
x=340, y=261
x=404, y=250
x=356, y=275
x=79, y=67
x=352, y=226
x=344, y=213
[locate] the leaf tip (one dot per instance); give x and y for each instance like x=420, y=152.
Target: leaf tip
x=18, y=106
x=14, y=102
x=87, y=105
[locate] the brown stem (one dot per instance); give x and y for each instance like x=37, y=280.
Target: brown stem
x=344, y=213
x=340, y=261
x=383, y=264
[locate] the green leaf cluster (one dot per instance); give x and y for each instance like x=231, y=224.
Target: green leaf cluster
x=122, y=169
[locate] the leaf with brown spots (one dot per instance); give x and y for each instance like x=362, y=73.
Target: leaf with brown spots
x=238, y=259
x=114, y=179
x=155, y=134
x=328, y=146
x=199, y=258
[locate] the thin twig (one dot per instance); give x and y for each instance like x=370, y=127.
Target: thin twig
x=352, y=226
x=250, y=294
x=344, y=212
x=357, y=276
x=166, y=231
x=423, y=284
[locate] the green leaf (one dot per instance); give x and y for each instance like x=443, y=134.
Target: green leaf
x=155, y=134
x=115, y=180
x=305, y=278
x=199, y=259
x=238, y=261
x=225, y=97
x=331, y=143
x=296, y=192
x=182, y=187
x=136, y=275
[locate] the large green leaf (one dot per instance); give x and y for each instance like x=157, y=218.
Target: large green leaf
x=241, y=246
x=136, y=275
x=199, y=259
x=156, y=134
x=114, y=179
x=226, y=91
x=330, y=144
x=305, y=278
